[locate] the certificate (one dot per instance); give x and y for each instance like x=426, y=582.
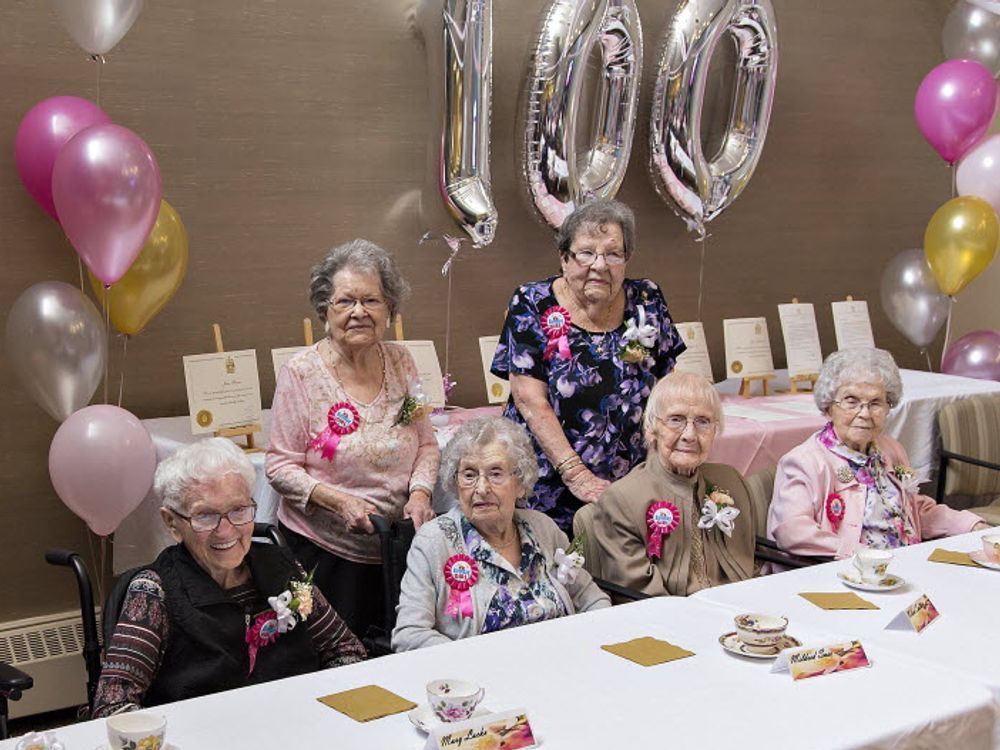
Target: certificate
x=282, y=355
x=748, y=349
x=852, y=324
x=802, y=350
x=223, y=390
x=429, y=370
x=695, y=358
x=497, y=390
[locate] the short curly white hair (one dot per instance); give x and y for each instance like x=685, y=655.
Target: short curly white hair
x=861, y=364
x=483, y=431
x=199, y=463
x=680, y=386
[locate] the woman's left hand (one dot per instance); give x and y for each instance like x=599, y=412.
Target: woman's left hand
x=981, y=526
x=585, y=485
x=419, y=509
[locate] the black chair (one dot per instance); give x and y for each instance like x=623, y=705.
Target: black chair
x=395, y=539
x=767, y=551
x=13, y=682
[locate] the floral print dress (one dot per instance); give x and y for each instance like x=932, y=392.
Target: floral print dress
x=596, y=395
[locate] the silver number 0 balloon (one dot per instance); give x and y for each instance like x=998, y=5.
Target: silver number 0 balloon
x=699, y=189
x=558, y=174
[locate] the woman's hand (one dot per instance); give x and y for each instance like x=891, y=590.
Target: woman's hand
x=352, y=509
x=584, y=484
x=419, y=509
x=982, y=525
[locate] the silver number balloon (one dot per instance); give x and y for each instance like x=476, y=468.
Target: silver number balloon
x=57, y=345
x=696, y=187
x=972, y=32
x=559, y=172
x=911, y=298
x=97, y=25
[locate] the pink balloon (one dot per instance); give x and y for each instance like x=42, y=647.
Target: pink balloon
x=106, y=186
x=979, y=172
x=955, y=105
x=101, y=463
x=975, y=355
x=42, y=133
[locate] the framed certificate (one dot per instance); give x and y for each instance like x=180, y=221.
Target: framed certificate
x=695, y=358
x=223, y=390
x=748, y=349
x=429, y=370
x=852, y=324
x=282, y=355
x=802, y=349
x=497, y=390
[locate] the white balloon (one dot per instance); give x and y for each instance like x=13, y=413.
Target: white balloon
x=97, y=25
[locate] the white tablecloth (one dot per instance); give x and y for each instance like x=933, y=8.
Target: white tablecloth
x=579, y=696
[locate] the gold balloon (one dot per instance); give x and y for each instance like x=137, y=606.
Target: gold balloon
x=960, y=241
x=152, y=279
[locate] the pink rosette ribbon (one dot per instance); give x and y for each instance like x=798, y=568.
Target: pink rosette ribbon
x=342, y=419
x=662, y=518
x=461, y=573
x=835, y=509
x=262, y=632
x=555, y=325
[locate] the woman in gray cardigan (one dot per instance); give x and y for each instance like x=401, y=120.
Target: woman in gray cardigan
x=486, y=565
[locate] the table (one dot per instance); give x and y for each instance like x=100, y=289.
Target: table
x=579, y=696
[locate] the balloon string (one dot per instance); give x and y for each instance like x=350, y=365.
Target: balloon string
x=927, y=354
x=121, y=380
x=107, y=341
x=99, y=62
x=100, y=570
x=79, y=265
x=954, y=181
x=94, y=564
x=947, y=330
x=701, y=276
x=447, y=329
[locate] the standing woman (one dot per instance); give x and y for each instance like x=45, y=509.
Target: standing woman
x=582, y=351
x=345, y=439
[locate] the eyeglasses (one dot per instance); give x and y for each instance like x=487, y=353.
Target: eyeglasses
x=589, y=258
x=677, y=423
x=346, y=304
x=470, y=477
x=210, y=521
x=876, y=407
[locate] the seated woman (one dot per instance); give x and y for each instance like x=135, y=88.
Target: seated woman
x=215, y=612
x=849, y=486
x=675, y=524
x=485, y=565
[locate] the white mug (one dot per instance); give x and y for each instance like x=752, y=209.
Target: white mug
x=872, y=564
x=136, y=729
x=454, y=700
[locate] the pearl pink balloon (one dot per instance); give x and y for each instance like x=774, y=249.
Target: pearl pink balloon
x=975, y=355
x=954, y=106
x=42, y=133
x=979, y=172
x=101, y=463
x=106, y=186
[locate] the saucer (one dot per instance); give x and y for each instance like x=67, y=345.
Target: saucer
x=888, y=583
x=734, y=645
x=166, y=746
x=979, y=557
x=424, y=718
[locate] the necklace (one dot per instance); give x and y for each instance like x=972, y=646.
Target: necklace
x=342, y=389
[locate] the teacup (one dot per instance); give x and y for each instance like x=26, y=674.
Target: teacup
x=136, y=730
x=454, y=700
x=761, y=633
x=872, y=564
x=991, y=547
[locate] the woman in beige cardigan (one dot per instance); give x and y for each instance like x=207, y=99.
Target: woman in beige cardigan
x=675, y=524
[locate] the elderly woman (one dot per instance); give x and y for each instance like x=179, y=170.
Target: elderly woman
x=675, y=524
x=487, y=565
x=582, y=351
x=849, y=486
x=215, y=612
x=348, y=434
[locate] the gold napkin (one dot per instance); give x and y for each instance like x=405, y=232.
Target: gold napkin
x=648, y=651
x=948, y=556
x=842, y=600
x=367, y=703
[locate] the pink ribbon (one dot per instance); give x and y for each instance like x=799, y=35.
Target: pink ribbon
x=560, y=344
x=662, y=518
x=555, y=325
x=459, y=604
x=461, y=574
x=342, y=419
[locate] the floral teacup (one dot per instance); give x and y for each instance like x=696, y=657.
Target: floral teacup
x=760, y=633
x=991, y=547
x=136, y=731
x=872, y=564
x=454, y=700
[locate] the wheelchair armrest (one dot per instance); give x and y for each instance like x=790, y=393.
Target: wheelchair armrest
x=768, y=551
x=13, y=681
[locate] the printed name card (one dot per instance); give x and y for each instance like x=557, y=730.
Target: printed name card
x=497, y=390
x=748, y=349
x=852, y=324
x=917, y=616
x=510, y=730
x=802, y=350
x=695, y=358
x=282, y=355
x=223, y=390
x=429, y=370
x=803, y=663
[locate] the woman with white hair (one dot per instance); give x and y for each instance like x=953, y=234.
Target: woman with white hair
x=676, y=524
x=849, y=485
x=215, y=612
x=487, y=564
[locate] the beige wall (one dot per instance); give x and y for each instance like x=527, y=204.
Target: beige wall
x=283, y=128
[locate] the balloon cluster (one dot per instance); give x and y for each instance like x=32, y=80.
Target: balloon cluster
x=954, y=107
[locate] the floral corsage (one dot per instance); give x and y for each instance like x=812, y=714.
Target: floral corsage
x=719, y=509
x=40, y=741
x=415, y=405
x=569, y=562
x=834, y=509
x=907, y=478
x=290, y=607
x=639, y=339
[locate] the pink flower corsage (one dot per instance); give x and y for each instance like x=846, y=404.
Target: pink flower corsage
x=461, y=574
x=342, y=419
x=835, y=509
x=292, y=606
x=662, y=518
x=555, y=325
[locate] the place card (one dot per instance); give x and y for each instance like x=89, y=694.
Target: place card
x=367, y=703
x=748, y=349
x=497, y=389
x=429, y=370
x=807, y=662
x=848, y=600
x=917, y=616
x=648, y=651
x=852, y=324
x=954, y=558
x=510, y=730
x=802, y=349
x=223, y=390
x=282, y=355
x=695, y=358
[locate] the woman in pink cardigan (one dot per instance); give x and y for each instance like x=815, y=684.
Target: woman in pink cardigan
x=849, y=486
